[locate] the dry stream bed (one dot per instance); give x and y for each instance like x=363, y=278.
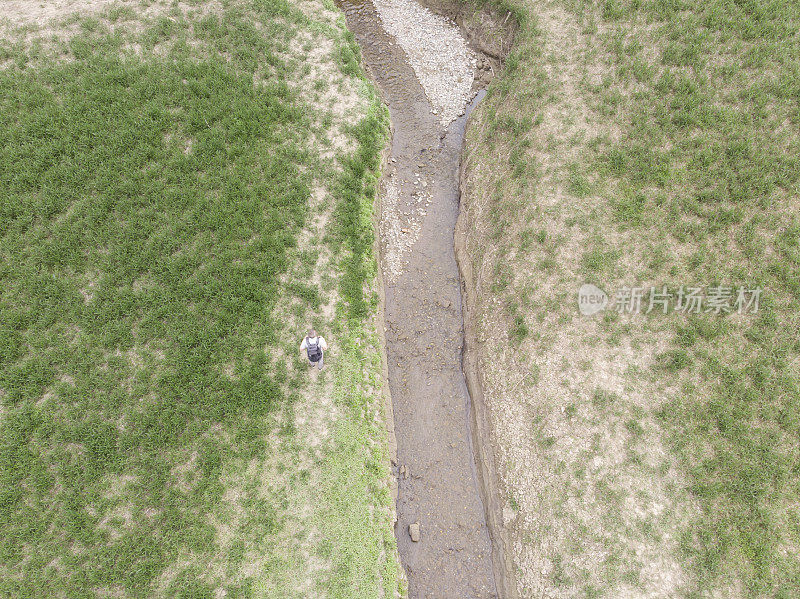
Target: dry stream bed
x=430, y=79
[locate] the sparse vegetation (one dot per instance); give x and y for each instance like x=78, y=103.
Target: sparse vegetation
x=670, y=155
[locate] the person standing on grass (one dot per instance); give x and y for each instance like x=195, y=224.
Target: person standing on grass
x=314, y=347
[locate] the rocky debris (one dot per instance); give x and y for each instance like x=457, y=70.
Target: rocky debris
x=445, y=303
x=484, y=73
x=414, y=532
x=483, y=64
x=404, y=471
x=401, y=225
x=441, y=59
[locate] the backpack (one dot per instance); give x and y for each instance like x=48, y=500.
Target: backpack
x=313, y=349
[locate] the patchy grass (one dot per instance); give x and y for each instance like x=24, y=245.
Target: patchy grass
x=158, y=433
x=354, y=230
x=668, y=154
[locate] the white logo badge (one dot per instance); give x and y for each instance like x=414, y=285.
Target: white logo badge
x=591, y=300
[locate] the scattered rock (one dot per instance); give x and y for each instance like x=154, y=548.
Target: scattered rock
x=414, y=532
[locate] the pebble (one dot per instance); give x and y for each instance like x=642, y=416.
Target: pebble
x=414, y=532
x=445, y=68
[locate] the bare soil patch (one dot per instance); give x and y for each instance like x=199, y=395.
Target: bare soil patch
x=42, y=12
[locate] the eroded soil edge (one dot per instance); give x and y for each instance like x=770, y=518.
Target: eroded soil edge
x=491, y=33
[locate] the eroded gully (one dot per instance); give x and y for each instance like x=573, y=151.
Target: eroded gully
x=438, y=484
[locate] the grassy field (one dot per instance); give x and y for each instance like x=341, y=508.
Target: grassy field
x=181, y=197
x=635, y=143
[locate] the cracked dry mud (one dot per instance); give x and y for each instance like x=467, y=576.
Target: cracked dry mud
x=437, y=479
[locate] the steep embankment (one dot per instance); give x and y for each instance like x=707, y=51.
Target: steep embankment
x=634, y=145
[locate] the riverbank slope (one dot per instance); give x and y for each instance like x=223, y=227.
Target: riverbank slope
x=633, y=145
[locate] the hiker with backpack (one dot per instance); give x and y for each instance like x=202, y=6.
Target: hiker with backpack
x=314, y=347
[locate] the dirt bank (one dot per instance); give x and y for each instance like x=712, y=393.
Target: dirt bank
x=483, y=447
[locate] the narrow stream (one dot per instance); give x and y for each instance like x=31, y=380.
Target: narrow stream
x=437, y=479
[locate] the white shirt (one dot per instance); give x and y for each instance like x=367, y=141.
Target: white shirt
x=321, y=340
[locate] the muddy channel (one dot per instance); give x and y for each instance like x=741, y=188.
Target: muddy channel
x=438, y=484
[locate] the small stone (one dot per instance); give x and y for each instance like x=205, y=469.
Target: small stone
x=414, y=532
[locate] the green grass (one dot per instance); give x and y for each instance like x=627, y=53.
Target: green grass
x=355, y=188
x=181, y=255
x=706, y=96
x=730, y=160
x=149, y=215
x=353, y=480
